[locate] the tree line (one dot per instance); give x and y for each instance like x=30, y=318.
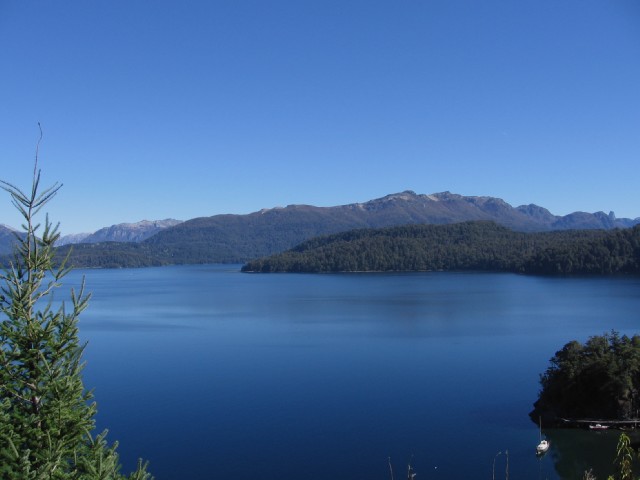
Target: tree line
x=477, y=246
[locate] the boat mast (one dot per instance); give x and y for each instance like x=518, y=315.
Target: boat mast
x=540, y=423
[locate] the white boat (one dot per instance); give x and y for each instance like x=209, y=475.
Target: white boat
x=597, y=426
x=543, y=446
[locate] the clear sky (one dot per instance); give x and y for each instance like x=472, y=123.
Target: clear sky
x=180, y=109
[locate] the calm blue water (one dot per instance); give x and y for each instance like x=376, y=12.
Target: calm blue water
x=211, y=373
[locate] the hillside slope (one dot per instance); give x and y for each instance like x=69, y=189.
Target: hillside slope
x=237, y=238
x=480, y=246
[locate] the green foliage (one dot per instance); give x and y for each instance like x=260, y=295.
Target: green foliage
x=111, y=255
x=479, y=246
x=600, y=379
x=623, y=461
x=624, y=458
x=46, y=415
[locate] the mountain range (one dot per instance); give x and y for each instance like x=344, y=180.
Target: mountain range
x=238, y=238
x=122, y=232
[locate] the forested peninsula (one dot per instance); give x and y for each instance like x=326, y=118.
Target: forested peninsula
x=595, y=380
x=467, y=246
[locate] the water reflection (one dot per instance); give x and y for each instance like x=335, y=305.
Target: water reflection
x=576, y=450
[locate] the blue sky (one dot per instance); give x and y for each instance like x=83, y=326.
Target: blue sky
x=158, y=109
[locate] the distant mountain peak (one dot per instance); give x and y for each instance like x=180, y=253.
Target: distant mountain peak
x=406, y=195
x=122, y=232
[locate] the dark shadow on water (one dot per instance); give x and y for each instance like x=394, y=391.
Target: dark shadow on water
x=575, y=451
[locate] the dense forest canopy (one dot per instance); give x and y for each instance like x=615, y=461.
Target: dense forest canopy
x=599, y=379
x=480, y=246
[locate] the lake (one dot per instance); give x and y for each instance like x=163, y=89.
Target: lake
x=211, y=373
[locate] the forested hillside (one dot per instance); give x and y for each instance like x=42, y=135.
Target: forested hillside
x=595, y=380
x=240, y=238
x=482, y=246
x=111, y=255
